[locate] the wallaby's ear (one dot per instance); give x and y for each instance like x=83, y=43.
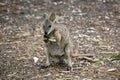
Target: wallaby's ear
x=45, y=16
x=52, y=16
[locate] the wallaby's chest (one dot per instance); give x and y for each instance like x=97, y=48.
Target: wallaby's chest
x=55, y=49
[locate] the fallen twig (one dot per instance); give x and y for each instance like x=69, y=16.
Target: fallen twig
x=114, y=73
x=81, y=56
x=108, y=52
x=2, y=4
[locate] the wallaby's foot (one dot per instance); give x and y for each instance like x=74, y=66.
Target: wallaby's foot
x=65, y=64
x=61, y=62
x=68, y=68
x=44, y=66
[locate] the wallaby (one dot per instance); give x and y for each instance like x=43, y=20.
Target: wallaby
x=61, y=48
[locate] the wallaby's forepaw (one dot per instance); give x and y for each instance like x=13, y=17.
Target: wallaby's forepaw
x=46, y=39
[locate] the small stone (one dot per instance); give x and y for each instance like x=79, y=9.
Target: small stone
x=35, y=59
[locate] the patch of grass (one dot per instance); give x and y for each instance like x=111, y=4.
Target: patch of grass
x=96, y=60
x=113, y=57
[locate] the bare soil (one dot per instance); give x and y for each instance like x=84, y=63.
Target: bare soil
x=94, y=26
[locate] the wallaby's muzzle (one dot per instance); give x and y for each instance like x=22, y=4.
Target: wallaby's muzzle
x=45, y=33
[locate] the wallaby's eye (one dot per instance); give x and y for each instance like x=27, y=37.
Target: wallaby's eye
x=49, y=26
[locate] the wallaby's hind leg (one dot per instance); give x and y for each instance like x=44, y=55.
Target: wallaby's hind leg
x=48, y=60
x=47, y=64
x=68, y=54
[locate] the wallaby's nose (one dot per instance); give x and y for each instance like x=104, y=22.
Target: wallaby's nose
x=45, y=33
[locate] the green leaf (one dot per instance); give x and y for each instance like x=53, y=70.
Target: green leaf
x=52, y=39
x=98, y=61
x=115, y=57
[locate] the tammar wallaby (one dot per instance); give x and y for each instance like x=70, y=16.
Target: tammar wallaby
x=60, y=48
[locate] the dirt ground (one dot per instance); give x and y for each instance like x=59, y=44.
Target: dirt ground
x=94, y=26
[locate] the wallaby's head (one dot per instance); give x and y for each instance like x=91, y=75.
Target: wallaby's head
x=48, y=25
